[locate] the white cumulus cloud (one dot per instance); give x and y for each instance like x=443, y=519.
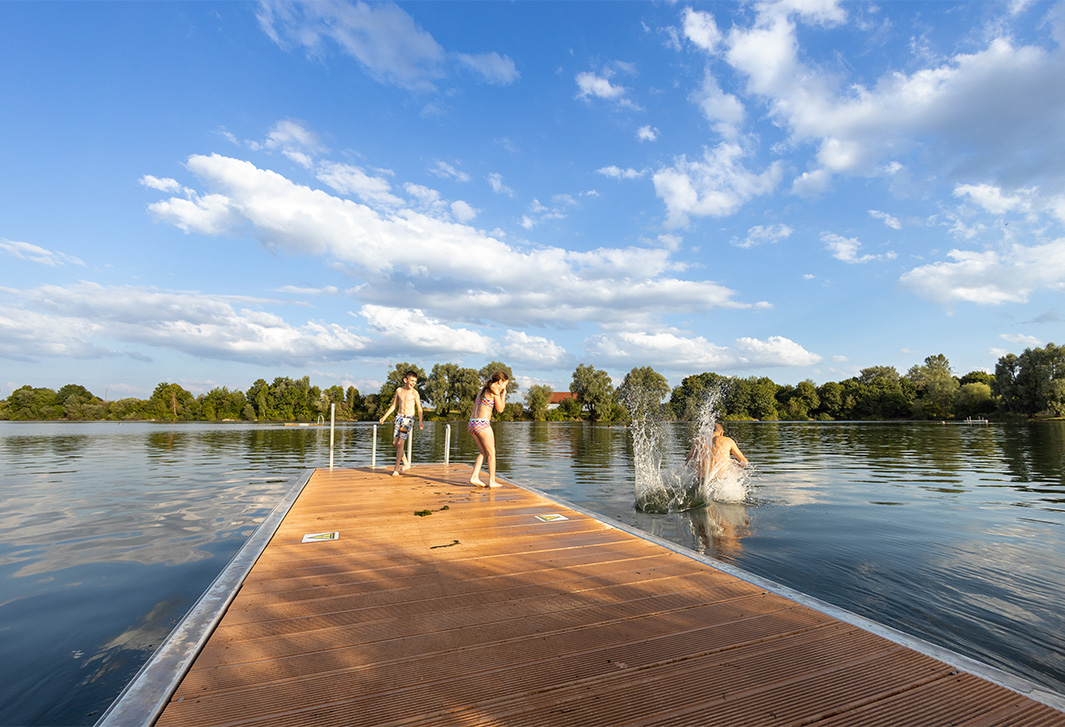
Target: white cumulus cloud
x=716, y=185
x=36, y=253
x=616, y=172
x=701, y=29
x=846, y=249
x=990, y=277
x=761, y=235
x=672, y=351
x=426, y=245
x=382, y=37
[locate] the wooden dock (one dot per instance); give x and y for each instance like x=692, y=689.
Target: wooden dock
x=443, y=604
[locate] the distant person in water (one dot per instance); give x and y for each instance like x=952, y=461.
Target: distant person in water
x=493, y=397
x=710, y=454
x=404, y=403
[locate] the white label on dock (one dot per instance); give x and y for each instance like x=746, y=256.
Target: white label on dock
x=551, y=518
x=319, y=537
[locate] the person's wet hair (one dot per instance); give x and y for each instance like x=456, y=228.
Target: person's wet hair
x=497, y=376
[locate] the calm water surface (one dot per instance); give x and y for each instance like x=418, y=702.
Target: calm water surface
x=109, y=533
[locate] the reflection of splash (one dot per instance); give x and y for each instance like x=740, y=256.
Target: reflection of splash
x=719, y=528
x=678, y=488
x=135, y=644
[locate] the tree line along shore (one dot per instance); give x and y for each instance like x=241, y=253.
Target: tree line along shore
x=1027, y=385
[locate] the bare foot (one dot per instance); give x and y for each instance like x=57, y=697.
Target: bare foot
x=477, y=482
x=406, y=466
x=493, y=483
x=395, y=473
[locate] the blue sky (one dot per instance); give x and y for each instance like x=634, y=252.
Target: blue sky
x=212, y=193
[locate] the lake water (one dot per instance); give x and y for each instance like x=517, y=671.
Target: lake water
x=110, y=532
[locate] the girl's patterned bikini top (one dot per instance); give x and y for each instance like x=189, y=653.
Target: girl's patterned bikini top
x=487, y=401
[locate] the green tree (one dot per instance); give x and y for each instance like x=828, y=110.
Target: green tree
x=1032, y=383
x=763, y=404
x=936, y=388
x=221, y=403
x=513, y=411
x=307, y=405
x=593, y=390
x=641, y=392
x=371, y=404
x=259, y=397
x=878, y=392
x=79, y=403
x=537, y=399
x=171, y=402
x=872, y=374
x=977, y=377
x=799, y=401
x=207, y=407
x=567, y=409
x=686, y=400
x=29, y=403
x=128, y=409
x=452, y=389
x=283, y=397
x=466, y=385
x=830, y=395
x=438, y=388
x=739, y=399
x=353, y=402
x=333, y=403
x=1005, y=386
x=1056, y=400
x=974, y=400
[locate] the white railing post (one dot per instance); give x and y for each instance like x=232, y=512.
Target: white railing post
x=447, y=445
x=410, y=443
x=373, y=449
x=332, y=425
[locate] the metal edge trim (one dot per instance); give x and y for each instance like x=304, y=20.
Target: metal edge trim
x=147, y=694
x=1013, y=682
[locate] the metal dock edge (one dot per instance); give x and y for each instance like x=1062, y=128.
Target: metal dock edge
x=144, y=698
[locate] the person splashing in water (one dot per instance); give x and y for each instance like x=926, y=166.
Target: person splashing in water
x=710, y=455
x=493, y=397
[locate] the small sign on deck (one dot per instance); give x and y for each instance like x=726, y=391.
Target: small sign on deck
x=551, y=518
x=319, y=537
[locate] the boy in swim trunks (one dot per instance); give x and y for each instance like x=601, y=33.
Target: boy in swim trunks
x=404, y=403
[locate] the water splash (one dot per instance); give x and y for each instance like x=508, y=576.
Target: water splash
x=652, y=492
x=675, y=487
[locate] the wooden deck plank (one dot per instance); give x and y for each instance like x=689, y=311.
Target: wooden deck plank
x=481, y=614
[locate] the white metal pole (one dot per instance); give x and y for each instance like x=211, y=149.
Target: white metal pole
x=447, y=445
x=332, y=426
x=373, y=449
x=410, y=442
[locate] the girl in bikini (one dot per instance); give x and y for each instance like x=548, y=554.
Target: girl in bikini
x=492, y=396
